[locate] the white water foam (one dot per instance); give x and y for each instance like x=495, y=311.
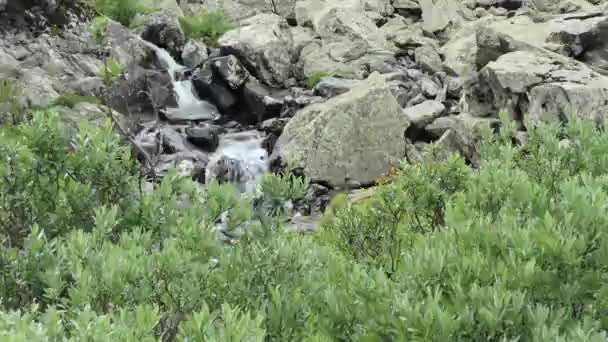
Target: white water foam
x=252, y=159
x=187, y=103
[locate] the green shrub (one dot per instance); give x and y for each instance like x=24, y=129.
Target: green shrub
x=71, y=100
x=515, y=250
x=122, y=11
x=208, y=26
x=11, y=111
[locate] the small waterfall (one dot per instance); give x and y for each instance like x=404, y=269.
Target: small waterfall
x=188, y=105
x=240, y=157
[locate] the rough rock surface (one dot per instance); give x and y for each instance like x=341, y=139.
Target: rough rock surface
x=352, y=137
x=163, y=29
x=545, y=87
x=265, y=45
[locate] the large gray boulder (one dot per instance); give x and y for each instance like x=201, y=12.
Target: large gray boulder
x=265, y=46
x=544, y=87
x=163, y=29
x=349, y=139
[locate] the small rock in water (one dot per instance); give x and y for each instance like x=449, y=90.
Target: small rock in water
x=194, y=54
x=239, y=159
x=205, y=137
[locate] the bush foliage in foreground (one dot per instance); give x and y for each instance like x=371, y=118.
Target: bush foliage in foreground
x=516, y=251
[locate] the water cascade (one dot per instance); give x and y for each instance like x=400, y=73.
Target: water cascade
x=239, y=157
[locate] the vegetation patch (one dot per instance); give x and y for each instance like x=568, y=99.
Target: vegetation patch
x=207, y=25
x=516, y=250
x=123, y=11
x=71, y=100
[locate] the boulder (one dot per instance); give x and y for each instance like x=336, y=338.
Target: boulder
x=351, y=138
x=438, y=15
x=544, y=86
x=404, y=34
x=194, y=53
x=265, y=46
x=204, y=137
x=142, y=91
x=428, y=59
x=229, y=69
x=211, y=86
x=422, y=114
x=584, y=37
x=333, y=86
x=259, y=102
x=163, y=29
x=343, y=26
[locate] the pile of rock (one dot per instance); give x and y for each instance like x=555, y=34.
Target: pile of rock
x=394, y=76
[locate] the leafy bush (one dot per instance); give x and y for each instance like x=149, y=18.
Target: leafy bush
x=207, y=25
x=122, y=11
x=71, y=100
x=516, y=250
x=11, y=111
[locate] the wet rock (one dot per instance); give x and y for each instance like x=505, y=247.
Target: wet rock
x=333, y=86
x=259, y=102
x=142, y=91
x=352, y=137
x=163, y=30
x=204, y=137
x=212, y=87
x=265, y=46
x=424, y=113
x=231, y=71
x=194, y=53
x=172, y=141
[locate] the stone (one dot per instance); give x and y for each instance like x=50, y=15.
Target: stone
x=438, y=15
x=355, y=136
x=264, y=45
x=428, y=59
x=422, y=114
x=404, y=34
x=259, y=102
x=407, y=8
x=468, y=125
x=455, y=142
x=172, y=141
x=142, y=91
x=194, y=53
x=210, y=86
x=544, y=86
x=230, y=69
x=204, y=137
x=350, y=26
x=333, y=86
x=163, y=29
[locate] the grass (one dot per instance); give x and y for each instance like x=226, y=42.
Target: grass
x=208, y=26
x=71, y=100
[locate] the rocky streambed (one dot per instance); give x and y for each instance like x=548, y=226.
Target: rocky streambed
x=342, y=89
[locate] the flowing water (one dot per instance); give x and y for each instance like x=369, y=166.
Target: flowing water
x=240, y=157
x=188, y=105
